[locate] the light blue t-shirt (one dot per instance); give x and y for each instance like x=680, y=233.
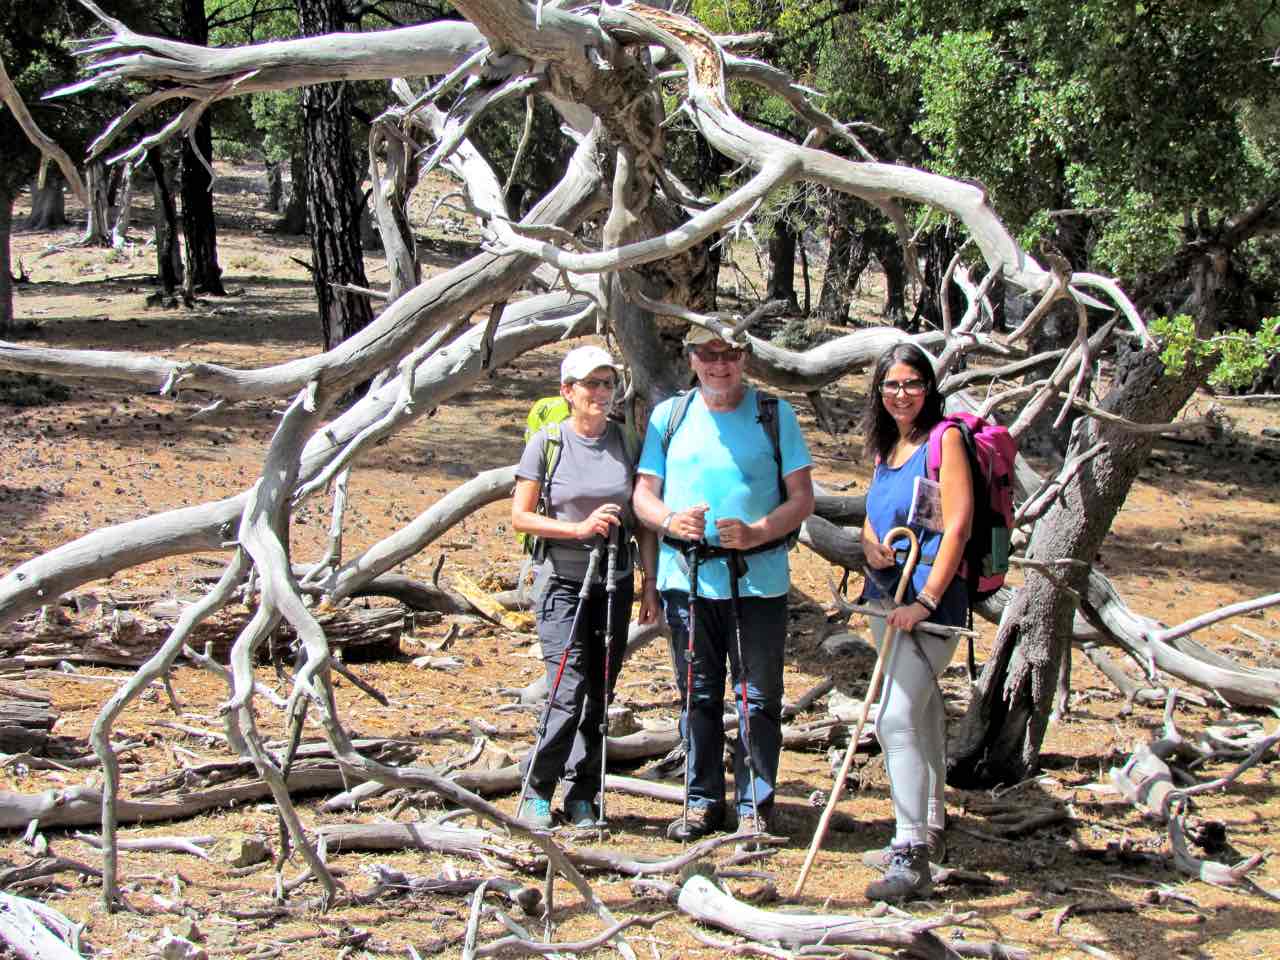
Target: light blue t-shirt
x=725, y=460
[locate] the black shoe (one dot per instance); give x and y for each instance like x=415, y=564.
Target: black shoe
x=701, y=821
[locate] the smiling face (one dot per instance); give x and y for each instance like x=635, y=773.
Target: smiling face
x=902, y=393
x=718, y=366
x=592, y=395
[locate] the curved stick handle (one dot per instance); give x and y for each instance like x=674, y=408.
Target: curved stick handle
x=873, y=688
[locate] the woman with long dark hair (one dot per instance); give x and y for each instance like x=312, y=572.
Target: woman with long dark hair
x=903, y=410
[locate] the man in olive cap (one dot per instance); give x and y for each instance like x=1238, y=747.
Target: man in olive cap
x=718, y=489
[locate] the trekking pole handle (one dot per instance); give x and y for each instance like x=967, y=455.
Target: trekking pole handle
x=593, y=565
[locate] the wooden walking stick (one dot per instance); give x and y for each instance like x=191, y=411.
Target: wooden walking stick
x=913, y=554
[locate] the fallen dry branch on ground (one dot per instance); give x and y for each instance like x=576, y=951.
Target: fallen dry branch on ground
x=703, y=901
x=36, y=931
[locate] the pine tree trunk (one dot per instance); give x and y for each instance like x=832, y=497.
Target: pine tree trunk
x=169, y=270
x=200, y=234
x=275, y=187
x=333, y=199
x=48, y=204
x=999, y=739
x=6, y=276
x=99, y=213
x=847, y=258
x=782, y=260
x=295, y=210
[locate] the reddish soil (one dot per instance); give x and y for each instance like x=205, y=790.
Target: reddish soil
x=1198, y=531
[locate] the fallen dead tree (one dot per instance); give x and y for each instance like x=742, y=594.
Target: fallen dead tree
x=26, y=718
x=189, y=792
x=128, y=638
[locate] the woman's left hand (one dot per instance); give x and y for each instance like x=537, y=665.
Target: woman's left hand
x=907, y=617
x=649, y=605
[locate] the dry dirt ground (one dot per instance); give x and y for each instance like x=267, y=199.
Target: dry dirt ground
x=1198, y=531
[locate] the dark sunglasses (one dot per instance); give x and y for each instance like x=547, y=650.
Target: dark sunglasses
x=707, y=355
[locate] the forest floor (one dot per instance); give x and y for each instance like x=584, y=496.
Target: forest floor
x=1198, y=531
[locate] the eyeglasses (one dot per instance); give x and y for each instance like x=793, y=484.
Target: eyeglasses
x=592, y=383
x=732, y=355
x=912, y=388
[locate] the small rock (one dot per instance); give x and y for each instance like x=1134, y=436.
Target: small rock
x=170, y=947
x=1029, y=913
x=846, y=644
x=186, y=929
x=240, y=850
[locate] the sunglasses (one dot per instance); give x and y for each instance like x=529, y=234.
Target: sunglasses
x=707, y=355
x=593, y=383
x=912, y=388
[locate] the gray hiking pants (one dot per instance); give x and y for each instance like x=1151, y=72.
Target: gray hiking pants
x=912, y=729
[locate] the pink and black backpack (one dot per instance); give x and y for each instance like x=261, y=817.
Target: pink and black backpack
x=992, y=451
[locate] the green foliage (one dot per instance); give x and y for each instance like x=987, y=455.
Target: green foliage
x=1240, y=358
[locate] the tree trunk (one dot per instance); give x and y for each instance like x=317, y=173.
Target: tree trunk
x=6, y=276
x=938, y=247
x=889, y=253
x=275, y=187
x=48, y=204
x=199, y=231
x=169, y=271
x=99, y=212
x=847, y=257
x=295, y=209
x=999, y=738
x=782, y=260
x=333, y=199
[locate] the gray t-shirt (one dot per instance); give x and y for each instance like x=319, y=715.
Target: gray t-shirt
x=592, y=471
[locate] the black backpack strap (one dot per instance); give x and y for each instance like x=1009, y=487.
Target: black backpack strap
x=767, y=417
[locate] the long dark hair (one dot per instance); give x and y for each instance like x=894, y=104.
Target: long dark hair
x=880, y=429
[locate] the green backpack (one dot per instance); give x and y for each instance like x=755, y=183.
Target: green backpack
x=549, y=413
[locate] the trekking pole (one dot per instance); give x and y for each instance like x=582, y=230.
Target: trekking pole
x=908, y=568
x=593, y=561
x=737, y=567
x=694, y=551
x=610, y=589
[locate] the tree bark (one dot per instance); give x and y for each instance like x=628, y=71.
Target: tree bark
x=48, y=204
x=847, y=258
x=333, y=199
x=295, y=208
x=275, y=187
x=199, y=230
x=782, y=261
x=999, y=739
x=6, y=275
x=169, y=269
x=98, y=212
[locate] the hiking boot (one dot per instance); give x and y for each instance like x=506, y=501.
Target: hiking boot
x=581, y=813
x=907, y=877
x=880, y=859
x=752, y=823
x=536, y=813
x=701, y=820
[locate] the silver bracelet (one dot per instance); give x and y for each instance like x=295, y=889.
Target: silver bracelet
x=666, y=524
